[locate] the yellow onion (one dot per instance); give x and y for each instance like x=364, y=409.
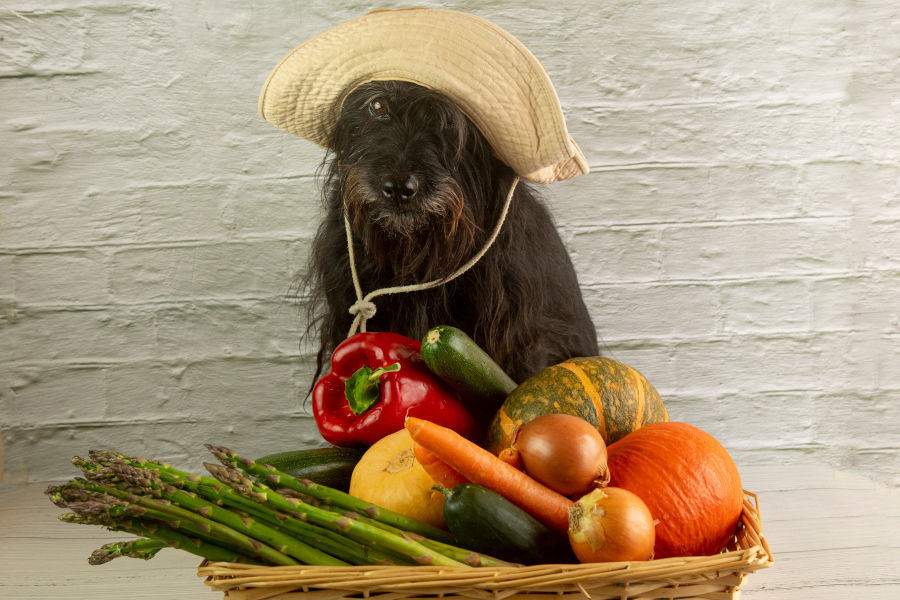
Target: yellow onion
x=611, y=524
x=564, y=452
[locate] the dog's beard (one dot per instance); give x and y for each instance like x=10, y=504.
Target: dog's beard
x=423, y=239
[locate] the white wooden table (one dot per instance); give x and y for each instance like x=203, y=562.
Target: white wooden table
x=834, y=536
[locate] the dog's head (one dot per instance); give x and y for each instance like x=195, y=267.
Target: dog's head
x=410, y=168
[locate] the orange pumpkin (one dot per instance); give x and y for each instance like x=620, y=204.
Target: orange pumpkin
x=688, y=481
x=610, y=395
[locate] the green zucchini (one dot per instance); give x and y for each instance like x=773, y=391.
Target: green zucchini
x=455, y=357
x=330, y=466
x=484, y=521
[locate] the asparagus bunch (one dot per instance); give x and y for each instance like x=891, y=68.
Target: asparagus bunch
x=235, y=516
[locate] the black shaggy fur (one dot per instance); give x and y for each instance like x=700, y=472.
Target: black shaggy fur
x=423, y=192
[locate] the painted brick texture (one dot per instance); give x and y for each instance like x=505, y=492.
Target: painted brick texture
x=736, y=239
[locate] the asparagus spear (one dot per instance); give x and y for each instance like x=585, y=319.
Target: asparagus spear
x=340, y=523
x=149, y=481
x=161, y=534
x=470, y=557
x=142, y=548
x=213, y=490
x=275, y=478
x=110, y=504
x=168, y=473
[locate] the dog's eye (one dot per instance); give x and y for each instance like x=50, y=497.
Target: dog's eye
x=378, y=108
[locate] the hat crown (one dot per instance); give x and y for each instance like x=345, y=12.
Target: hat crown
x=488, y=73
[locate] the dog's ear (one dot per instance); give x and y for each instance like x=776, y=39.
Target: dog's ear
x=464, y=142
x=353, y=115
x=461, y=129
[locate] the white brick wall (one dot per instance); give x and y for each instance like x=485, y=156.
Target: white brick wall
x=736, y=240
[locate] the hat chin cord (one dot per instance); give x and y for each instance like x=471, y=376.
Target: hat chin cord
x=364, y=309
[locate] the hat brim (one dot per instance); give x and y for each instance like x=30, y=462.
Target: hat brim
x=491, y=76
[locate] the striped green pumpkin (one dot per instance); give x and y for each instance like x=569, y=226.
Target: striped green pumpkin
x=612, y=396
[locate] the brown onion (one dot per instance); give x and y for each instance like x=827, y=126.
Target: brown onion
x=611, y=524
x=564, y=452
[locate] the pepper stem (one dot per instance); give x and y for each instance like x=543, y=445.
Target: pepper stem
x=377, y=373
x=362, y=389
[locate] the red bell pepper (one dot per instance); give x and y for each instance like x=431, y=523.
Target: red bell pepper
x=377, y=379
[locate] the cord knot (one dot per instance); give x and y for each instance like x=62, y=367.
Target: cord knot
x=364, y=308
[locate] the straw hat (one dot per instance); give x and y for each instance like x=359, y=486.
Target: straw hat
x=488, y=73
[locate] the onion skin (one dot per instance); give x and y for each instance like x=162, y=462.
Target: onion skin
x=611, y=524
x=564, y=452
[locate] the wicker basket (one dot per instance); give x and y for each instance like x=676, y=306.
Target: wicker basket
x=719, y=576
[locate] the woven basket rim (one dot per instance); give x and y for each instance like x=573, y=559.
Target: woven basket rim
x=748, y=552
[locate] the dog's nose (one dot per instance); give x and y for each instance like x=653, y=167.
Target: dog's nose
x=401, y=188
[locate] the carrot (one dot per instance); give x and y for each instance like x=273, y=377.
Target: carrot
x=483, y=468
x=442, y=473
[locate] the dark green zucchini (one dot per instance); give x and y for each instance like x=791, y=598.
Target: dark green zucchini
x=455, y=357
x=330, y=466
x=484, y=521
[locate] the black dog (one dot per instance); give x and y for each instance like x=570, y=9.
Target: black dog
x=423, y=192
